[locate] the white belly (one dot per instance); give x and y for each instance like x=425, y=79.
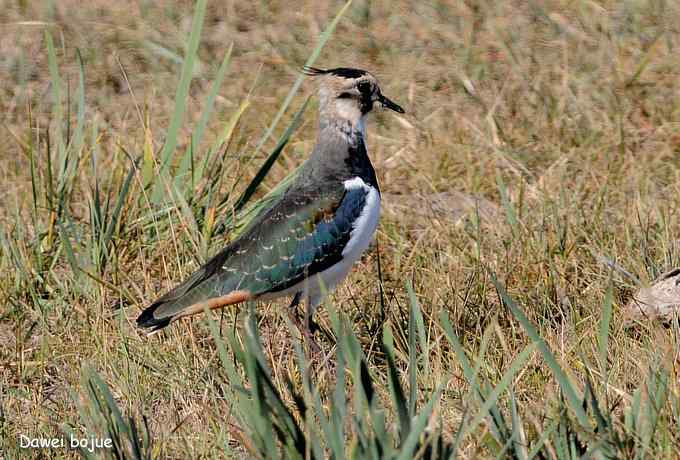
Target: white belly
x=360, y=238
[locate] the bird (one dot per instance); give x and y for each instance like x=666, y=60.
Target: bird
x=305, y=243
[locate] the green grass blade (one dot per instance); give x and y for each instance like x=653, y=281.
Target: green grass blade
x=34, y=179
x=546, y=434
x=518, y=437
x=224, y=136
x=422, y=334
x=65, y=170
x=148, y=163
x=181, y=96
x=419, y=424
x=468, y=371
x=325, y=35
x=396, y=391
x=503, y=384
x=560, y=375
x=122, y=198
x=247, y=412
x=254, y=365
x=85, y=453
x=604, y=327
x=79, y=134
x=57, y=86
x=479, y=361
x=602, y=422
x=187, y=213
x=338, y=411
x=203, y=122
x=68, y=248
x=163, y=52
x=510, y=213
x=646, y=59
x=250, y=190
x=264, y=169
x=243, y=405
x=457, y=347
x=412, y=352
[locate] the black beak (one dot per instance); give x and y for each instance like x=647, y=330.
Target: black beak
x=386, y=103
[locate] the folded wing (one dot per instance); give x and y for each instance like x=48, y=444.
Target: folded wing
x=301, y=235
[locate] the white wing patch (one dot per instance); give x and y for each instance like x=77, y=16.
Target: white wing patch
x=364, y=227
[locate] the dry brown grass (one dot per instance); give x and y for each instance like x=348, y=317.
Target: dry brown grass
x=572, y=107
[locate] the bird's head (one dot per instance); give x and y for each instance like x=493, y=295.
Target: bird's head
x=349, y=93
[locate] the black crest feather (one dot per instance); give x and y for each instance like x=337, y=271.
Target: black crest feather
x=344, y=72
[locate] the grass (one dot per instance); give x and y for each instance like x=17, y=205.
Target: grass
x=138, y=137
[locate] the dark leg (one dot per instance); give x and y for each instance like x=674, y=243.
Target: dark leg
x=309, y=329
x=317, y=355
x=292, y=312
x=309, y=319
x=306, y=326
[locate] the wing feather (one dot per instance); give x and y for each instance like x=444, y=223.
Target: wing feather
x=301, y=235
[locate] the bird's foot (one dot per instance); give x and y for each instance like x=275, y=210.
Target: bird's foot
x=308, y=328
x=318, y=359
x=313, y=326
x=316, y=353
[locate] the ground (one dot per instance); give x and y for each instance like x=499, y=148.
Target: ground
x=559, y=121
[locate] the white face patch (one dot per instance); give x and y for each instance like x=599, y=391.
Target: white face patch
x=348, y=109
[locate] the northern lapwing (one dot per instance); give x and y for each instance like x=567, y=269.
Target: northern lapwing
x=306, y=242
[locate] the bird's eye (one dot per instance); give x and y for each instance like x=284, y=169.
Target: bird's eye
x=364, y=87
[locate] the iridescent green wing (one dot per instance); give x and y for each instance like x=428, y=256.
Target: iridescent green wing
x=303, y=234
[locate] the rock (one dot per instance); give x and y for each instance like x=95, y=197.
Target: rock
x=658, y=301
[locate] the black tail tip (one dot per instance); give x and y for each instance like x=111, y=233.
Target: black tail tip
x=147, y=320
